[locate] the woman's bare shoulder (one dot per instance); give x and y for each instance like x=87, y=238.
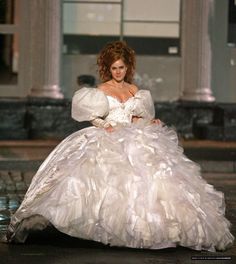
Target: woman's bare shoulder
x=103, y=87
x=133, y=88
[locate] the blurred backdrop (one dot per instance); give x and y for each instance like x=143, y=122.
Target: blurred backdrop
x=186, y=57
x=151, y=27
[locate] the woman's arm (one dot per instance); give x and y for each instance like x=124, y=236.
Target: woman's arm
x=99, y=122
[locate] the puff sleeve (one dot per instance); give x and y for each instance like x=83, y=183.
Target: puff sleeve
x=144, y=106
x=89, y=104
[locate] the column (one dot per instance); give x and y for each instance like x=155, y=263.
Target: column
x=196, y=50
x=45, y=48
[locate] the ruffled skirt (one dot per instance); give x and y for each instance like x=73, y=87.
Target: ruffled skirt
x=133, y=187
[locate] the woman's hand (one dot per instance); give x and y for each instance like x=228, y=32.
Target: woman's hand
x=109, y=129
x=135, y=118
x=156, y=121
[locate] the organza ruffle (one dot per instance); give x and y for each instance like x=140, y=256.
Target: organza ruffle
x=133, y=187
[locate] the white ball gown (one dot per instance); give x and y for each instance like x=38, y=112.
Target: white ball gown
x=133, y=187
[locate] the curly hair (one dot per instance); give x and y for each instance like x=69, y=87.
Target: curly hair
x=112, y=52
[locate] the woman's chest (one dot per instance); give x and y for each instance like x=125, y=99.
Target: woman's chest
x=116, y=104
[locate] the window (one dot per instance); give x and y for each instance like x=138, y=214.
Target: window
x=14, y=39
x=150, y=27
x=8, y=43
x=232, y=22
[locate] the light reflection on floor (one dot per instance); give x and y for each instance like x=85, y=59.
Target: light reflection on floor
x=8, y=205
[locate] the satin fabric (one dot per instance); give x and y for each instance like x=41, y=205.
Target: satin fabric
x=133, y=187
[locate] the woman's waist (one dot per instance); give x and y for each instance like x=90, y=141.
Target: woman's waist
x=119, y=119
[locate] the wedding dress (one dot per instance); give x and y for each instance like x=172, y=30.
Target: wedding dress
x=132, y=187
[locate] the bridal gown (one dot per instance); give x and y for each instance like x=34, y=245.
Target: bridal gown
x=132, y=187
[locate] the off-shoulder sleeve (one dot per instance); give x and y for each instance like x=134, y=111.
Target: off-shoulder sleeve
x=144, y=106
x=88, y=104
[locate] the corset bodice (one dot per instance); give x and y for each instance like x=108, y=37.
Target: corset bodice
x=120, y=112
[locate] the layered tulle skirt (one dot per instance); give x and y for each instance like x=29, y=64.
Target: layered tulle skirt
x=133, y=187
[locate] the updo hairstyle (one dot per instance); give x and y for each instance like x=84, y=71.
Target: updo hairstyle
x=112, y=52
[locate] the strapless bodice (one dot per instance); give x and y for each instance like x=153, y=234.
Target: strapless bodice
x=120, y=112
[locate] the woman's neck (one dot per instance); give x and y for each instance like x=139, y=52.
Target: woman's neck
x=119, y=85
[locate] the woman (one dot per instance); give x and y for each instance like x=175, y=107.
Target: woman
x=124, y=181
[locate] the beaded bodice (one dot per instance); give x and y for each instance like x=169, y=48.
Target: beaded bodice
x=120, y=112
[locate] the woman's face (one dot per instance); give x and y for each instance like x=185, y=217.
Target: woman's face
x=118, y=70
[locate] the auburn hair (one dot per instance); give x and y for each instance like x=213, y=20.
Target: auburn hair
x=112, y=52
